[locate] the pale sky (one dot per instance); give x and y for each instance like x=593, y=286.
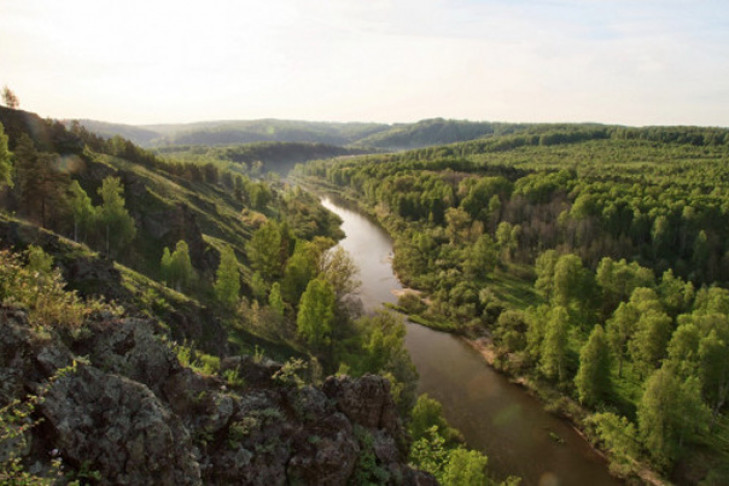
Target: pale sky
x=633, y=62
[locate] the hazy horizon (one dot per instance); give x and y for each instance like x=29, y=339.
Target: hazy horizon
x=623, y=62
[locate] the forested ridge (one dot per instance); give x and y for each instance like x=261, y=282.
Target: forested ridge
x=595, y=258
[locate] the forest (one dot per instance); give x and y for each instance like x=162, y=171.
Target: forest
x=595, y=259
x=226, y=265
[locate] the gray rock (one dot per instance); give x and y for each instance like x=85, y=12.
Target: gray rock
x=119, y=428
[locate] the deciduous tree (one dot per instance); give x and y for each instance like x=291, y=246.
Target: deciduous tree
x=227, y=278
x=316, y=314
x=114, y=217
x=593, y=376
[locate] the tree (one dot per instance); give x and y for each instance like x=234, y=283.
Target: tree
x=382, y=351
x=714, y=368
x=481, y=257
x=9, y=98
x=669, y=413
x=428, y=413
x=573, y=286
x=650, y=340
x=465, y=468
x=507, y=238
x=593, y=376
x=301, y=267
x=316, y=313
x=338, y=268
x=553, y=362
x=114, y=217
x=84, y=212
x=42, y=187
x=227, y=278
x=274, y=299
x=618, y=280
x=544, y=267
x=264, y=251
x=620, y=329
x=177, y=270
x=6, y=160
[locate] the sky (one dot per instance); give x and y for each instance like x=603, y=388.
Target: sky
x=630, y=62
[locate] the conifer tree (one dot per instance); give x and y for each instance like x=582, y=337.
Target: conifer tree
x=41, y=186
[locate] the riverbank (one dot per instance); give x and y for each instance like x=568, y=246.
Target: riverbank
x=566, y=408
x=550, y=399
x=505, y=421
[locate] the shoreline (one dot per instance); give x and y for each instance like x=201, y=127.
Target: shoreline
x=485, y=348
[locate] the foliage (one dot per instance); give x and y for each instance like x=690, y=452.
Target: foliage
x=316, y=313
x=670, y=413
x=227, y=281
x=114, y=217
x=623, y=232
x=10, y=99
x=593, y=376
x=6, y=160
x=42, y=291
x=176, y=267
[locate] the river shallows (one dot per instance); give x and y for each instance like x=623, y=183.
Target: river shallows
x=495, y=416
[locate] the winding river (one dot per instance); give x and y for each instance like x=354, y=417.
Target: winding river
x=497, y=417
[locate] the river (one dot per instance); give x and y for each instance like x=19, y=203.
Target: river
x=495, y=416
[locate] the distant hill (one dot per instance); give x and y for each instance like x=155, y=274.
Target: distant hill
x=424, y=133
x=139, y=135
x=262, y=157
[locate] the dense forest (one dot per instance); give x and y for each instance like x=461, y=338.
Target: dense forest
x=595, y=260
x=100, y=236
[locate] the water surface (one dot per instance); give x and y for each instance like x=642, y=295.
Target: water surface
x=497, y=417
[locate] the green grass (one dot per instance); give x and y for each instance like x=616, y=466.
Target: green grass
x=514, y=286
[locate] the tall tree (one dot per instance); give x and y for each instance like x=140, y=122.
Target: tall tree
x=274, y=299
x=227, y=281
x=300, y=269
x=553, y=362
x=264, y=251
x=316, y=314
x=84, y=212
x=177, y=268
x=9, y=98
x=114, y=217
x=593, y=376
x=42, y=186
x=620, y=329
x=670, y=413
x=6, y=160
x=649, y=342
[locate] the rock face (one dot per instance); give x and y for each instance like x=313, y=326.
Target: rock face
x=118, y=402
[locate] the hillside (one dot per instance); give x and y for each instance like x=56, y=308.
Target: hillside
x=165, y=321
x=367, y=136
x=591, y=261
x=257, y=157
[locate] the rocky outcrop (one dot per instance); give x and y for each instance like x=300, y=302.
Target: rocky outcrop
x=117, y=401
